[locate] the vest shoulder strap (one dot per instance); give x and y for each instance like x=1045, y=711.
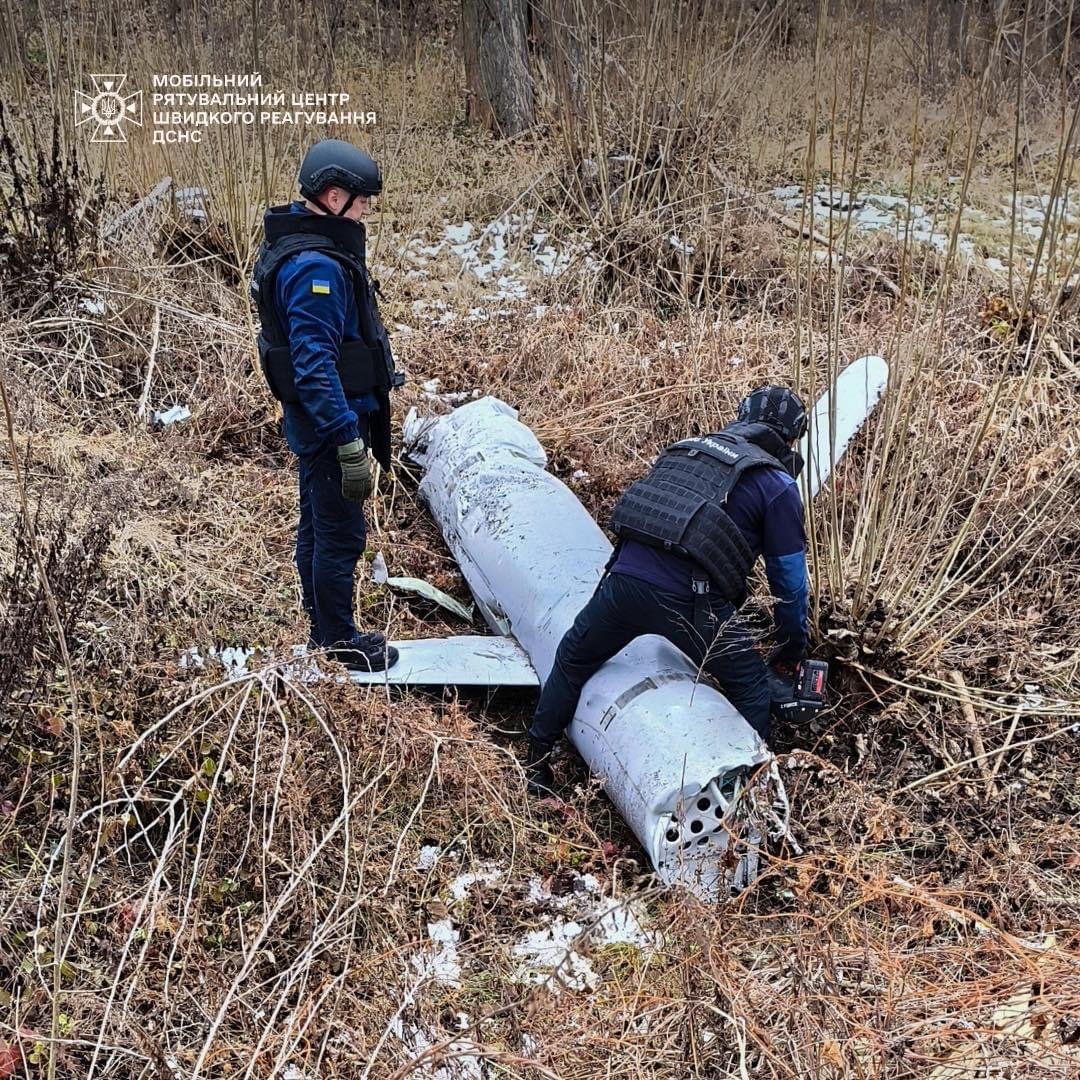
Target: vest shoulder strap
x=732, y=451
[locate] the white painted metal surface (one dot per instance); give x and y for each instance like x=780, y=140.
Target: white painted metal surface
x=837, y=418
x=533, y=556
x=463, y=660
x=673, y=752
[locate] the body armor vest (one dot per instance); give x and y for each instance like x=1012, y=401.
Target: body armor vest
x=366, y=365
x=679, y=505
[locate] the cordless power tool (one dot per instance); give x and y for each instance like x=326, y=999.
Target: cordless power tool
x=804, y=697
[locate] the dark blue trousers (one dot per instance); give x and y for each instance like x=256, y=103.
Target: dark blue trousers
x=623, y=608
x=330, y=540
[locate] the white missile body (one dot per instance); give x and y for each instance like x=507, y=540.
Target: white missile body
x=675, y=756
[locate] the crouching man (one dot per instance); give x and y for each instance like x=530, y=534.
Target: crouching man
x=326, y=356
x=687, y=537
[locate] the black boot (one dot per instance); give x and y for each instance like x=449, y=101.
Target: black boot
x=366, y=652
x=539, y=778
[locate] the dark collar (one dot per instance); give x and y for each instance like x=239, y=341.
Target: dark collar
x=283, y=221
x=771, y=441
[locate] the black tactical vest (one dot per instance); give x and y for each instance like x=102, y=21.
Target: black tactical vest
x=679, y=505
x=364, y=366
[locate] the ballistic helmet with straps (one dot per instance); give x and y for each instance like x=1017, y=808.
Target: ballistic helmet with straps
x=334, y=161
x=778, y=407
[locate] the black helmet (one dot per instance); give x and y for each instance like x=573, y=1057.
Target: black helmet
x=334, y=161
x=778, y=407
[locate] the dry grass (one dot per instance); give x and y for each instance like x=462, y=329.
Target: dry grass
x=237, y=889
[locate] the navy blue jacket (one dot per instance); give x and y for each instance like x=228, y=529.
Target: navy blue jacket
x=315, y=299
x=766, y=506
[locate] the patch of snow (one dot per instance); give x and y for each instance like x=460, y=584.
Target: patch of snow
x=94, y=305
x=429, y=856
x=896, y=214
x=681, y=246
x=440, y=963
x=1031, y=696
x=293, y=1072
x=550, y=955
x=587, y=883
x=459, y=887
x=550, y=959
x=458, y=234
x=234, y=660
x=191, y=201
x=510, y=288
x=191, y=658
x=171, y=416
x=537, y=892
x=620, y=923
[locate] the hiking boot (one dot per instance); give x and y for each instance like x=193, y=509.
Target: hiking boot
x=539, y=779
x=366, y=652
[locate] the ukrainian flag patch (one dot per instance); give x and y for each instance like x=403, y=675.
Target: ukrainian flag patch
x=318, y=285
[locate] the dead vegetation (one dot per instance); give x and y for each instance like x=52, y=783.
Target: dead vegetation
x=205, y=876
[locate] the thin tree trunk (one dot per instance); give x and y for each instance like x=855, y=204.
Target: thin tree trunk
x=497, y=65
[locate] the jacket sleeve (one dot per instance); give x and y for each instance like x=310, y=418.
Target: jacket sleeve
x=784, y=550
x=314, y=295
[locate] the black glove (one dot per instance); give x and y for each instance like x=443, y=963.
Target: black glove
x=355, y=471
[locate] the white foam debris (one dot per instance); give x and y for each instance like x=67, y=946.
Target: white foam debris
x=293, y=1072
x=528, y=1045
x=539, y=311
x=93, y=305
x=428, y=857
x=681, y=246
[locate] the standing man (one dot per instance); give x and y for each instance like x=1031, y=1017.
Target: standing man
x=326, y=356
x=688, y=535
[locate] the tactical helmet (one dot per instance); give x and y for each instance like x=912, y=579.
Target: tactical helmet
x=334, y=161
x=778, y=407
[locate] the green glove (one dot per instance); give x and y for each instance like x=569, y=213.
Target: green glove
x=355, y=471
